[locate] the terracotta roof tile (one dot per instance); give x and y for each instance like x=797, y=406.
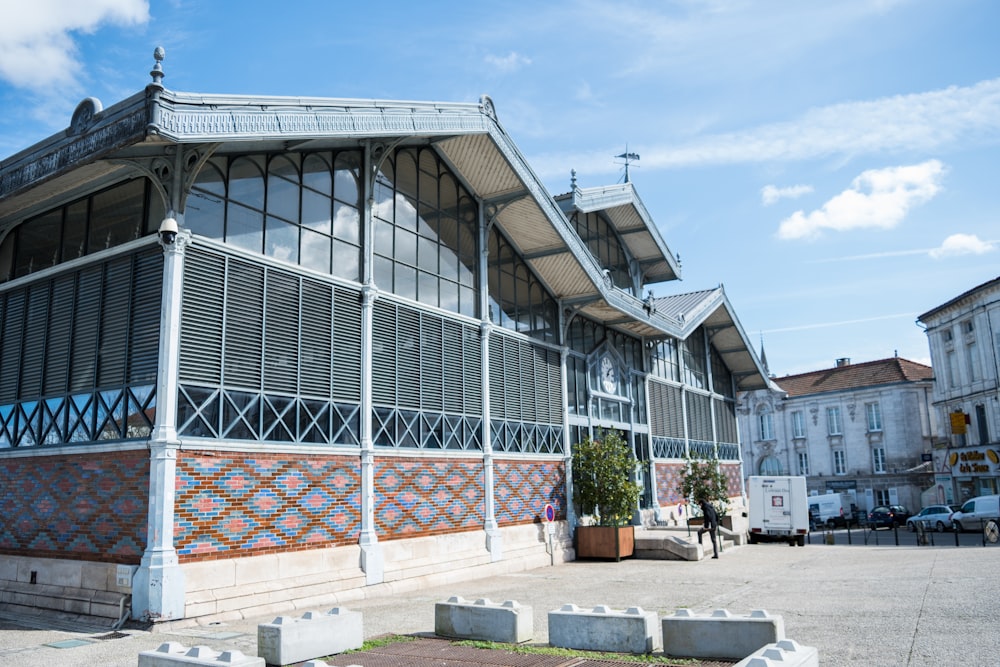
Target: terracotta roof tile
x=855, y=376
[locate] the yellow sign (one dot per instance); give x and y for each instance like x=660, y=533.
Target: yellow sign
x=958, y=423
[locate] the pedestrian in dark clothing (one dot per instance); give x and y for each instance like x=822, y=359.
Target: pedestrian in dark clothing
x=710, y=524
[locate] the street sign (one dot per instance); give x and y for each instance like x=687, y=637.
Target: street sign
x=550, y=513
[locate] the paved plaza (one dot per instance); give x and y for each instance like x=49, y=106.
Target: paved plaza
x=883, y=605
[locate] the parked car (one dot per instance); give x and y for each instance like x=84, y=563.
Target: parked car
x=934, y=517
x=975, y=511
x=888, y=516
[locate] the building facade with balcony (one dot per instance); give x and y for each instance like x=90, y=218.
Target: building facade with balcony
x=863, y=429
x=258, y=351
x=964, y=338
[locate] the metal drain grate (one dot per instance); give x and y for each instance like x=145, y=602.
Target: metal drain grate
x=112, y=635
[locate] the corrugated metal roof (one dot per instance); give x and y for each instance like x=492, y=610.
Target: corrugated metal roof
x=856, y=376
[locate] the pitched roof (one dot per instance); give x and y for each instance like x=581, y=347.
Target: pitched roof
x=855, y=376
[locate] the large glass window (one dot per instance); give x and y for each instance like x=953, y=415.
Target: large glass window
x=425, y=228
x=665, y=360
x=695, y=371
x=97, y=222
x=603, y=242
x=803, y=460
x=518, y=300
x=303, y=209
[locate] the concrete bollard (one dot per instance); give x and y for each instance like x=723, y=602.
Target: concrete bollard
x=286, y=640
x=720, y=634
x=510, y=622
x=785, y=653
x=604, y=629
x=172, y=653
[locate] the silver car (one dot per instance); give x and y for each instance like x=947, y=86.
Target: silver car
x=934, y=517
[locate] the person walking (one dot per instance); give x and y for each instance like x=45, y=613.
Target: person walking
x=710, y=524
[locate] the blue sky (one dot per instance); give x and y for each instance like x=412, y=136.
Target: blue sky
x=833, y=164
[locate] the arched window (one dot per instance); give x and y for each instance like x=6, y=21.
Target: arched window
x=770, y=465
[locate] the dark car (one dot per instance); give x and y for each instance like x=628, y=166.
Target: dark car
x=888, y=516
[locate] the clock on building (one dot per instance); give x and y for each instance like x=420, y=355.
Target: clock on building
x=609, y=378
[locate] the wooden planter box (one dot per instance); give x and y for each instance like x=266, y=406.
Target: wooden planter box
x=605, y=541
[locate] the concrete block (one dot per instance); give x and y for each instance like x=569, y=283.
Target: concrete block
x=785, y=653
x=604, y=629
x=509, y=622
x=719, y=634
x=172, y=653
x=287, y=640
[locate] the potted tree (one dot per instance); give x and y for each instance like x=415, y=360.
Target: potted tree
x=604, y=490
x=702, y=478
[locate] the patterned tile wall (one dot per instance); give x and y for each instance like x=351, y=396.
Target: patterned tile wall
x=734, y=478
x=424, y=496
x=230, y=505
x=668, y=481
x=87, y=506
x=524, y=488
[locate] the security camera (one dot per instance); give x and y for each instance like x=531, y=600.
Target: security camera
x=168, y=231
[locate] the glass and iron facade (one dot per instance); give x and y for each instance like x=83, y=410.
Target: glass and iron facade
x=346, y=344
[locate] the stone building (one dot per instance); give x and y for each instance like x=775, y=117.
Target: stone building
x=964, y=339
x=864, y=429
x=258, y=352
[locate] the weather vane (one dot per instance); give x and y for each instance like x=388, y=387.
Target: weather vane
x=629, y=159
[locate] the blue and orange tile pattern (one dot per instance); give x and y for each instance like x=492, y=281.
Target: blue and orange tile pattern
x=228, y=506
x=524, y=488
x=89, y=506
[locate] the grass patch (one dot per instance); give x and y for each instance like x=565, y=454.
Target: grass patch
x=645, y=659
x=386, y=640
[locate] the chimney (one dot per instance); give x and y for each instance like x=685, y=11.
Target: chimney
x=843, y=361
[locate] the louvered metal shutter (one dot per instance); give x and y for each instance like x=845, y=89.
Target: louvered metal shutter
x=202, y=318
x=243, y=330
x=60, y=335
x=347, y=345
x=33, y=349
x=85, y=329
x=699, y=417
x=114, y=315
x=281, y=332
x=144, y=334
x=316, y=342
x=10, y=345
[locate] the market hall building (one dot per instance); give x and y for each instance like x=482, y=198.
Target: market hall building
x=262, y=352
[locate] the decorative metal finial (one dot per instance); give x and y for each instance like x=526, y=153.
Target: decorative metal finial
x=572, y=179
x=157, y=71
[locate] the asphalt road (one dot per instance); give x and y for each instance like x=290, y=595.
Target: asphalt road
x=857, y=604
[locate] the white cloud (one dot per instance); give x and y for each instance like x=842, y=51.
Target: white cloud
x=36, y=38
x=511, y=62
x=878, y=198
x=938, y=120
x=962, y=244
x=770, y=194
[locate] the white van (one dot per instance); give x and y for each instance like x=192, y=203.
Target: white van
x=975, y=512
x=831, y=510
x=778, y=509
